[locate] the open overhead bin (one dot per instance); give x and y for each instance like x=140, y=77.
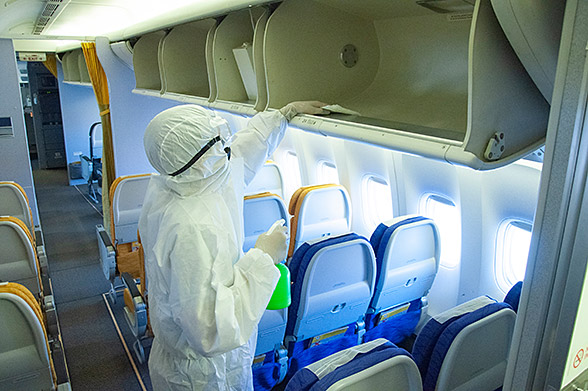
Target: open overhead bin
x=533, y=28
x=74, y=67
x=146, y=64
x=183, y=62
x=84, y=74
x=71, y=68
x=64, y=64
x=433, y=77
x=233, y=61
x=124, y=51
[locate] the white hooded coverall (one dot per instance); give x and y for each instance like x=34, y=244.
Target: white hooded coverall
x=205, y=297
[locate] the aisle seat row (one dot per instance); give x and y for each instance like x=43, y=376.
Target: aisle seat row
x=31, y=350
x=339, y=291
x=15, y=203
x=464, y=348
x=118, y=247
x=22, y=260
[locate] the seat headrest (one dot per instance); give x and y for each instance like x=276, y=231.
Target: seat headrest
x=22, y=292
x=324, y=212
x=20, y=225
x=115, y=189
x=344, y=363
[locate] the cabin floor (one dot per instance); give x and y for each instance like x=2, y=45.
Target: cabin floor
x=95, y=354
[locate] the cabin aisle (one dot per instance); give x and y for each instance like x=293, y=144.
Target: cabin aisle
x=95, y=356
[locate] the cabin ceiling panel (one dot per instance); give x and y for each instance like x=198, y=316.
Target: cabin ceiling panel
x=17, y=18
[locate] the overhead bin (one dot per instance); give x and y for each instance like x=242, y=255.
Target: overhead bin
x=235, y=72
x=146, y=64
x=74, y=67
x=533, y=28
x=64, y=65
x=83, y=67
x=439, y=80
x=183, y=63
x=124, y=51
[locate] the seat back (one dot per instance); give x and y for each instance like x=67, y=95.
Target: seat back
x=374, y=365
x=14, y=202
x=513, y=296
x=407, y=256
x=318, y=211
x=25, y=362
x=19, y=262
x=267, y=179
x=447, y=350
x=332, y=284
x=96, y=141
x=126, y=200
x=260, y=211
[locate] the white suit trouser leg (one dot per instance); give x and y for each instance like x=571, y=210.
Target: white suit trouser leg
x=226, y=372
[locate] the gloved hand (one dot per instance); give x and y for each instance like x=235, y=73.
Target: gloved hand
x=273, y=242
x=306, y=107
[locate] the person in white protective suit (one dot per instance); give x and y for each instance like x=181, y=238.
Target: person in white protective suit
x=205, y=296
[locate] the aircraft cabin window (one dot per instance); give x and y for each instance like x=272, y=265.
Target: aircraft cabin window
x=327, y=172
x=447, y=217
x=512, y=250
x=377, y=201
x=292, y=177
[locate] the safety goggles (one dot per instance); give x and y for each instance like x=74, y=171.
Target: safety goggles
x=224, y=132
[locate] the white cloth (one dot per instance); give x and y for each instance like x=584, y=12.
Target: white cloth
x=205, y=296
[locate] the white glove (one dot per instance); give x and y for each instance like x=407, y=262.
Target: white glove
x=274, y=241
x=306, y=107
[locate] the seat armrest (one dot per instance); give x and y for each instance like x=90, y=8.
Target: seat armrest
x=42, y=256
x=107, y=253
x=105, y=238
x=130, y=285
x=39, y=235
x=59, y=362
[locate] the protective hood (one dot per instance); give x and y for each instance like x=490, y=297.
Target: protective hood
x=175, y=136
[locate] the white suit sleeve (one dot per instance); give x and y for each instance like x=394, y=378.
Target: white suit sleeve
x=258, y=141
x=217, y=304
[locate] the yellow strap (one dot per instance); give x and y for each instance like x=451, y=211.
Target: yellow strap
x=104, y=112
x=111, y=191
x=260, y=195
x=294, y=209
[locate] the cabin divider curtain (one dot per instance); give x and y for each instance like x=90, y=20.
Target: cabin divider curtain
x=51, y=64
x=100, y=85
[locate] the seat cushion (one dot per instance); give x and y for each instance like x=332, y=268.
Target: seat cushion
x=396, y=328
x=324, y=373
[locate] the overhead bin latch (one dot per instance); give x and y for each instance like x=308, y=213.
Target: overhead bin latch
x=495, y=147
x=349, y=55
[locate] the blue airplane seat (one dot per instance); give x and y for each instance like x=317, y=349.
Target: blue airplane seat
x=374, y=365
x=514, y=296
x=332, y=284
x=260, y=211
x=407, y=259
x=466, y=347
